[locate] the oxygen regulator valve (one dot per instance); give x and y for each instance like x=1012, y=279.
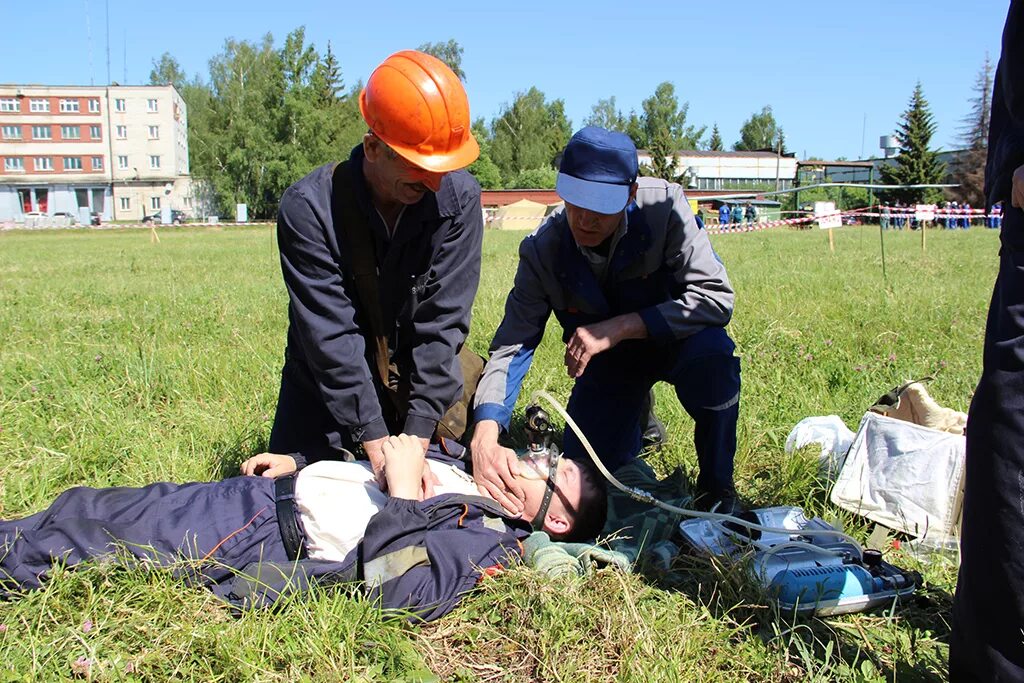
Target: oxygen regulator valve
x=538, y=430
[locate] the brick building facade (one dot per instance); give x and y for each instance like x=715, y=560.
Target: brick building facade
x=119, y=151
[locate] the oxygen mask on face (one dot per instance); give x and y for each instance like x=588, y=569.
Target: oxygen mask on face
x=536, y=464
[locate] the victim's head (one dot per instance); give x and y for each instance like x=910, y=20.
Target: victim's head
x=578, y=506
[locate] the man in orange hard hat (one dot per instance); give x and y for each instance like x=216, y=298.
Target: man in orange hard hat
x=381, y=259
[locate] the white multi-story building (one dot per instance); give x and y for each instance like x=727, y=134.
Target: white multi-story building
x=119, y=151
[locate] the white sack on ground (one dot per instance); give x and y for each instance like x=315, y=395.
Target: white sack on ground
x=829, y=432
x=903, y=476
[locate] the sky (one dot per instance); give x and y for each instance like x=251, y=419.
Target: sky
x=837, y=74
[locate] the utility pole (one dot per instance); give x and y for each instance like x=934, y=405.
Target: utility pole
x=108, y=42
x=778, y=162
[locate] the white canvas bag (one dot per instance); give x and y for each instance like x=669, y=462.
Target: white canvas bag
x=904, y=476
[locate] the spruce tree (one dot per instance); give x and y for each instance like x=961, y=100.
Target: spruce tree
x=716, y=144
x=969, y=168
x=327, y=81
x=916, y=163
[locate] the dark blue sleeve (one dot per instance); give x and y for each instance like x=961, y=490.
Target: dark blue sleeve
x=1006, y=128
x=323, y=318
x=441, y=319
x=410, y=562
x=1012, y=62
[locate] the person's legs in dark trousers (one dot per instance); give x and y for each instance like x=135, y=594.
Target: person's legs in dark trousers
x=706, y=376
x=230, y=523
x=987, y=643
x=607, y=402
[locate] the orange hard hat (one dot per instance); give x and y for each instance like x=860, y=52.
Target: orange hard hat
x=417, y=105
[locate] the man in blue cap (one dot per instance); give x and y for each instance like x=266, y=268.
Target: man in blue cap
x=641, y=297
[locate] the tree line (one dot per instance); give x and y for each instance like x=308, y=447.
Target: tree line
x=265, y=116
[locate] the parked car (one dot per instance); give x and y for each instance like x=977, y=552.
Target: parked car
x=177, y=217
x=65, y=218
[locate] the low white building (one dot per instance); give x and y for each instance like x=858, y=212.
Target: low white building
x=709, y=170
x=118, y=151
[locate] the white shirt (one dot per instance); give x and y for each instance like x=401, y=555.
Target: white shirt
x=337, y=499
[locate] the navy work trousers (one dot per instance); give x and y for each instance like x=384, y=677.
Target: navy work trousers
x=224, y=525
x=987, y=643
x=608, y=400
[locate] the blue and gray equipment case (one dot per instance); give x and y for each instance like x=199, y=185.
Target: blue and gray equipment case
x=806, y=574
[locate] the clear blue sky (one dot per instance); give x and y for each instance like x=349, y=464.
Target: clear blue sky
x=822, y=66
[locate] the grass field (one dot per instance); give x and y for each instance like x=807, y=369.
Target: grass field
x=124, y=362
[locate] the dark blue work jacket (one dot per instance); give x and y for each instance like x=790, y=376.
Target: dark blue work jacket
x=429, y=272
x=1006, y=129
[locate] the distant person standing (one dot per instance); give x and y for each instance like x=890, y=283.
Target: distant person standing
x=988, y=609
x=723, y=214
x=886, y=212
x=751, y=214
x=995, y=216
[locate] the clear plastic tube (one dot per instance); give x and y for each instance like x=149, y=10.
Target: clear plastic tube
x=645, y=497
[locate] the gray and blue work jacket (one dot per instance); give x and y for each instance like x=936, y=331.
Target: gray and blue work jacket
x=429, y=271
x=663, y=268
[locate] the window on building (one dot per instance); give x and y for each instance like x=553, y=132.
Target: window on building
x=122, y=132
x=12, y=132
x=126, y=203
x=94, y=132
x=154, y=203
x=119, y=105
x=14, y=164
x=9, y=104
x=39, y=104
x=97, y=163
x=72, y=163
x=122, y=162
x=94, y=106
x=43, y=163
x=154, y=132
x=152, y=105
x=154, y=161
x=41, y=133
x=70, y=132
x=68, y=106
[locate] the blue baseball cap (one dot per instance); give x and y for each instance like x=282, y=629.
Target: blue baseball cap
x=598, y=168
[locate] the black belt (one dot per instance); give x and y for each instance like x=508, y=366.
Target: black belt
x=288, y=518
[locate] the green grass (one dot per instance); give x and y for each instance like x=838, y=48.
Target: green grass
x=124, y=362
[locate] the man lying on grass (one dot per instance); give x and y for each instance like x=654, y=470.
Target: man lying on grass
x=251, y=538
